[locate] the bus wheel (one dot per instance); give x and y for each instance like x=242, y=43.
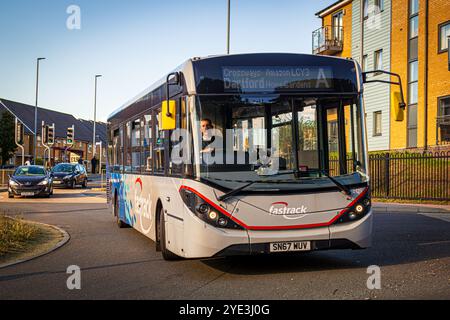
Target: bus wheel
x=119, y=222
x=167, y=255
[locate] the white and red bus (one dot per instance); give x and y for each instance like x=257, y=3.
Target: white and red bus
x=245, y=154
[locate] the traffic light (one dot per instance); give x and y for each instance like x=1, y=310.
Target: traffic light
x=44, y=134
x=70, y=135
x=20, y=133
x=51, y=135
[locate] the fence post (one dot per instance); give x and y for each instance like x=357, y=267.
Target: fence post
x=387, y=174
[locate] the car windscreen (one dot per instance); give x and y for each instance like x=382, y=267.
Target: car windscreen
x=30, y=171
x=64, y=168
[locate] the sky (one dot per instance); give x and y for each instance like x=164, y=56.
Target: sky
x=132, y=43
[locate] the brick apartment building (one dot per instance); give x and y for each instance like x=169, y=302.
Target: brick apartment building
x=408, y=37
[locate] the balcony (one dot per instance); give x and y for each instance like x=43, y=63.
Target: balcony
x=328, y=40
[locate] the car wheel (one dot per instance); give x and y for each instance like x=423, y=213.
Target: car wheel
x=10, y=196
x=166, y=253
x=72, y=184
x=84, y=185
x=116, y=212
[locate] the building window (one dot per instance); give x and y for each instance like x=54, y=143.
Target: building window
x=379, y=6
x=366, y=9
x=414, y=7
x=377, y=124
x=413, y=78
x=444, y=119
x=413, y=74
x=365, y=66
x=412, y=126
x=414, y=27
x=378, y=60
x=444, y=34
x=337, y=25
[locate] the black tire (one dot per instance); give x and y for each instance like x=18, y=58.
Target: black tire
x=166, y=253
x=84, y=185
x=120, y=223
x=10, y=196
x=72, y=184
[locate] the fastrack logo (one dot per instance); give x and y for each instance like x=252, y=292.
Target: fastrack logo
x=142, y=205
x=283, y=209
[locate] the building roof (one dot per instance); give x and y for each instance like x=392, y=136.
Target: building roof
x=332, y=7
x=62, y=121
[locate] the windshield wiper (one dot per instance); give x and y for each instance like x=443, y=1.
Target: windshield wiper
x=236, y=191
x=341, y=187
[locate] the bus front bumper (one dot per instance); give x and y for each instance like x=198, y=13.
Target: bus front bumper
x=219, y=243
x=356, y=236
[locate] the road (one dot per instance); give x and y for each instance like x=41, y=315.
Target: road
x=412, y=250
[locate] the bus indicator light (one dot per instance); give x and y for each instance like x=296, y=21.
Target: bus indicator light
x=359, y=208
x=213, y=215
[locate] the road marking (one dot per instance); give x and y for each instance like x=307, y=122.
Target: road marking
x=433, y=243
x=441, y=216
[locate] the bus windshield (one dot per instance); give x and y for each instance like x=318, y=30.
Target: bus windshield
x=279, y=142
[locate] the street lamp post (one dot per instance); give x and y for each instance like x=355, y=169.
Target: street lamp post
x=228, y=26
x=95, y=117
x=36, y=110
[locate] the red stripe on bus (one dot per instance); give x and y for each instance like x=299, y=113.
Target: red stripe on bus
x=273, y=228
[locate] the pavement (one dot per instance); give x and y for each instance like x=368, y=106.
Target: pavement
x=411, y=247
x=418, y=208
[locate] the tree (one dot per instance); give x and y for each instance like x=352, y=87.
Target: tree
x=7, y=132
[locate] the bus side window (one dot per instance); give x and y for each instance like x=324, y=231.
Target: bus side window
x=127, y=148
x=136, y=146
x=158, y=148
x=116, y=154
x=147, y=144
x=121, y=150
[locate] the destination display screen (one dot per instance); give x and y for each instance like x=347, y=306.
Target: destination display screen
x=276, y=78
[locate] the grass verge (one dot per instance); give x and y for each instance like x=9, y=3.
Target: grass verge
x=20, y=240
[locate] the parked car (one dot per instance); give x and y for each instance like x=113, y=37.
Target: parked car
x=69, y=175
x=30, y=181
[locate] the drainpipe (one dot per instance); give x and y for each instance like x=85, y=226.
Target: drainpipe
x=425, y=86
x=362, y=33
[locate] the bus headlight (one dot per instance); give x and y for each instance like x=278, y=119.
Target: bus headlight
x=358, y=210
x=207, y=211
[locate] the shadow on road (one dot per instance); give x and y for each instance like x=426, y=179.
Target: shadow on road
x=32, y=274
x=399, y=238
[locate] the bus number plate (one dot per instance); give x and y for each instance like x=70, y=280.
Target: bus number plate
x=290, y=246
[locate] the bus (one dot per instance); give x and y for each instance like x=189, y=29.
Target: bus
x=245, y=154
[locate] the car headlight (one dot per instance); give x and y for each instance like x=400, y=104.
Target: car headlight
x=207, y=211
x=12, y=183
x=67, y=177
x=43, y=183
x=358, y=209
